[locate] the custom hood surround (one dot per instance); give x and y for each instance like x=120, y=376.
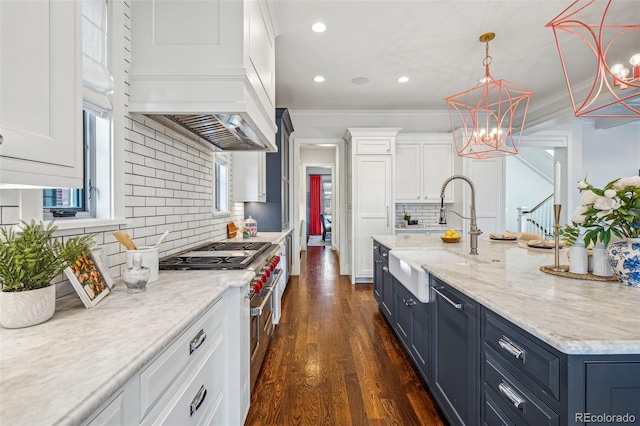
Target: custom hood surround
x=206, y=69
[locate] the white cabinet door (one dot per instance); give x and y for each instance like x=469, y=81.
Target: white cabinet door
x=373, y=207
x=249, y=176
x=437, y=164
x=41, y=98
x=408, y=172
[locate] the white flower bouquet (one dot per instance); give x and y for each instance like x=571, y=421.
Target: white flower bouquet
x=614, y=209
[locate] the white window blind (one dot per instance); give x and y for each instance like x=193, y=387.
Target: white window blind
x=97, y=81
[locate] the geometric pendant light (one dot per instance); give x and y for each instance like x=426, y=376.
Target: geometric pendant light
x=590, y=36
x=488, y=119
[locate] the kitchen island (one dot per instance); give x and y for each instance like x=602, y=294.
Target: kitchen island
x=500, y=342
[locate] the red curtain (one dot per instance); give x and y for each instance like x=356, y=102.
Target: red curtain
x=315, y=203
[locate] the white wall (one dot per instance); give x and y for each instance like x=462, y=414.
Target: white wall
x=609, y=154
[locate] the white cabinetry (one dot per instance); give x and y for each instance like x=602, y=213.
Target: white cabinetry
x=201, y=378
x=423, y=162
x=41, y=98
x=370, y=195
x=202, y=57
x=249, y=176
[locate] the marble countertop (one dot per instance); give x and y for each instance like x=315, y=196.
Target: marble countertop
x=63, y=370
x=574, y=316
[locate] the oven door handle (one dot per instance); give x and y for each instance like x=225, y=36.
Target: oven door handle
x=255, y=312
x=277, y=273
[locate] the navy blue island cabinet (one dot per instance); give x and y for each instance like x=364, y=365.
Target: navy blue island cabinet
x=273, y=215
x=484, y=370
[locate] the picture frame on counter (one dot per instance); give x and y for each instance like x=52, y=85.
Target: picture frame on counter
x=91, y=279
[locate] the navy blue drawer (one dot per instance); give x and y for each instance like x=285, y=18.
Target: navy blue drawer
x=519, y=403
x=493, y=414
x=539, y=368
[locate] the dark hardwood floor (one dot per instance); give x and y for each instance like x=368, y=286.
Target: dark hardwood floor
x=334, y=359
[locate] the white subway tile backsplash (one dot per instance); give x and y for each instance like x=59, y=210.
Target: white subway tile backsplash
x=9, y=197
x=10, y=214
x=138, y=127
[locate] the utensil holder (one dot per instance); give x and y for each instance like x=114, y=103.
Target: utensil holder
x=150, y=259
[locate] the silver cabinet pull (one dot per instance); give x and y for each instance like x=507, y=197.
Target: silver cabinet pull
x=409, y=302
x=375, y=247
x=385, y=268
x=511, y=395
x=385, y=254
x=197, y=341
x=451, y=302
x=197, y=400
x=511, y=347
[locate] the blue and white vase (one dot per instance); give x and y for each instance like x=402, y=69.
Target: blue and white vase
x=624, y=257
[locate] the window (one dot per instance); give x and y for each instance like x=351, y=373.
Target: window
x=221, y=183
x=98, y=85
x=63, y=202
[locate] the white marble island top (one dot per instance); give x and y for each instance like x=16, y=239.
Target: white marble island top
x=574, y=316
x=63, y=370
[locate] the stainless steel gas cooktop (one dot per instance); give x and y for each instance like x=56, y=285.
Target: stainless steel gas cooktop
x=221, y=255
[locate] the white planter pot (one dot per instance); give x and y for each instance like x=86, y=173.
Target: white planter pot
x=27, y=308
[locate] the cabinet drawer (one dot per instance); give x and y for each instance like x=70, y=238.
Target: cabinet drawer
x=201, y=397
x=373, y=146
x=537, y=367
x=384, y=253
x=198, y=339
x=493, y=414
x=515, y=399
x=112, y=414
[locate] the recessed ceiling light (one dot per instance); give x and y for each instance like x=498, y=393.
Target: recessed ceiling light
x=403, y=79
x=319, y=27
x=360, y=80
x=318, y=79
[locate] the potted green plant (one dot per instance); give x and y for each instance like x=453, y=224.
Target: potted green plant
x=30, y=259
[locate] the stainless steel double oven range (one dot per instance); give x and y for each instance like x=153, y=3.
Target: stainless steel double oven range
x=259, y=257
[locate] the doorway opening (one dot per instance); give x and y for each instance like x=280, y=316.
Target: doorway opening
x=319, y=206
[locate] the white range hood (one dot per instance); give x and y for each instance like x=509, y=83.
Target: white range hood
x=206, y=68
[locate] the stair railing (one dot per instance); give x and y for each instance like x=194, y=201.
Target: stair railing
x=538, y=220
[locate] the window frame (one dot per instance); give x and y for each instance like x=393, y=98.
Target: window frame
x=221, y=160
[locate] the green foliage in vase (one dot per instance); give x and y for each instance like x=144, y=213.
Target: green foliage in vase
x=33, y=257
x=612, y=210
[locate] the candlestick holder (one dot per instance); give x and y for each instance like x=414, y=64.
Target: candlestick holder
x=556, y=234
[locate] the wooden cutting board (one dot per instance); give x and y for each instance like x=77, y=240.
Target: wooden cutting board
x=232, y=230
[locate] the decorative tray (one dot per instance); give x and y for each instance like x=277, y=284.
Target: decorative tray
x=503, y=237
x=587, y=277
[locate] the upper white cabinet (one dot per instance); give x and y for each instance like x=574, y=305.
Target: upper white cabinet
x=40, y=94
x=204, y=57
x=423, y=162
x=249, y=176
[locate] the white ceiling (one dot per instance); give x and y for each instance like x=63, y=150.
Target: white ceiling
x=433, y=42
